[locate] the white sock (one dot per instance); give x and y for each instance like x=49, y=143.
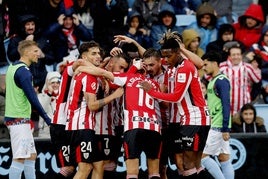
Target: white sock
x=29, y=169
x=15, y=170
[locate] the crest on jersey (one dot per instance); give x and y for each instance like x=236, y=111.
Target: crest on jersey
x=86, y=155
x=107, y=151
x=181, y=77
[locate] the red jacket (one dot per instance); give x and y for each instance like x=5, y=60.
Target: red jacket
x=245, y=35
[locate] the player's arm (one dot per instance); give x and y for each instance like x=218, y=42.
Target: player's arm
x=222, y=87
x=94, y=104
x=195, y=59
x=23, y=80
x=125, y=39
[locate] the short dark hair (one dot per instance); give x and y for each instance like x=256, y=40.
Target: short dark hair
x=151, y=52
x=212, y=56
x=232, y=44
x=86, y=45
x=124, y=56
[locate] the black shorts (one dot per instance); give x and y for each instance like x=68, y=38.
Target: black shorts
x=60, y=139
x=84, y=146
x=194, y=137
x=138, y=140
x=107, y=147
x=165, y=153
x=119, y=131
x=174, y=139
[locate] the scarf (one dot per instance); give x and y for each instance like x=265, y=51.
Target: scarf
x=70, y=37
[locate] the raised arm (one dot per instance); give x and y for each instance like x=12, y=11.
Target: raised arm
x=125, y=39
x=195, y=59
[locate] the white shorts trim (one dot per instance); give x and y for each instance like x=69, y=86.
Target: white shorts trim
x=22, y=141
x=215, y=144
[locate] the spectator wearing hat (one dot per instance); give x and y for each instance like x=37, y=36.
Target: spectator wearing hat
x=226, y=33
x=191, y=40
x=29, y=30
x=205, y=24
x=166, y=21
x=249, y=25
x=135, y=29
x=66, y=36
x=48, y=100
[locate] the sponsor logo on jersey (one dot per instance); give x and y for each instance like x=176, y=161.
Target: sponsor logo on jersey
x=181, y=77
x=144, y=119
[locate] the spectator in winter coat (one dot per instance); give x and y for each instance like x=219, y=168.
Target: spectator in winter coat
x=249, y=25
x=29, y=30
x=47, y=99
x=191, y=40
x=166, y=21
x=135, y=29
x=205, y=24
x=247, y=121
x=226, y=33
x=66, y=35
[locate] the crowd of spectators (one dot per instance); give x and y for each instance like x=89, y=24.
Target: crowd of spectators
x=59, y=26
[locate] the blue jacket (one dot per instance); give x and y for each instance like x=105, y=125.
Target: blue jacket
x=60, y=42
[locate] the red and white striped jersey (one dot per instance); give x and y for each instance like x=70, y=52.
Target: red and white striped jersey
x=162, y=110
x=78, y=114
x=170, y=82
x=241, y=77
x=104, y=117
x=119, y=115
x=104, y=120
x=189, y=106
x=60, y=115
x=139, y=107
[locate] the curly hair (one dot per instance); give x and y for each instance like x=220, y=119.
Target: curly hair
x=170, y=40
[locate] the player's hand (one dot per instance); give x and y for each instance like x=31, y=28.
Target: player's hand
x=145, y=85
x=116, y=51
x=75, y=19
x=122, y=39
x=226, y=136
